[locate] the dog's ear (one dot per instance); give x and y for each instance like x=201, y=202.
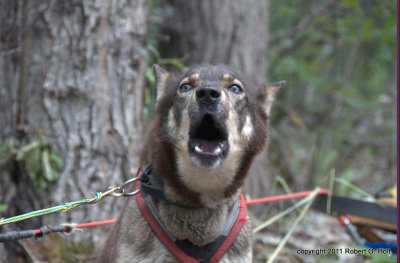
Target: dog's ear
x=268, y=94
x=162, y=77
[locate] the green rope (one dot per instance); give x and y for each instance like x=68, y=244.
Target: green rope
x=55, y=209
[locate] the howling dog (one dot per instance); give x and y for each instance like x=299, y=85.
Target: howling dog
x=210, y=124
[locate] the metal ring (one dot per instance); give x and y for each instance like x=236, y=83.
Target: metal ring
x=127, y=183
x=132, y=193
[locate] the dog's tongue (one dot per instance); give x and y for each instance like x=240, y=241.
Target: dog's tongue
x=208, y=146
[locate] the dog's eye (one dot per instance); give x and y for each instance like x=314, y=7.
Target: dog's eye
x=235, y=89
x=185, y=87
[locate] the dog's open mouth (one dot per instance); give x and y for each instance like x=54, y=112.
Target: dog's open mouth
x=208, y=141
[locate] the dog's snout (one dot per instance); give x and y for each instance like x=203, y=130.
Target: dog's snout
x=208, y=95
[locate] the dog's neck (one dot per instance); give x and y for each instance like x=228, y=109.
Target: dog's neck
x=177, y=190
x=197, y=225
x=199, y=220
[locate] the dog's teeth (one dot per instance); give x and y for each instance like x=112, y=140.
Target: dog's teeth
x=197, y=149
x=217, y=151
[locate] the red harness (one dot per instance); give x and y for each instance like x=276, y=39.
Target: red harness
x=185, y=251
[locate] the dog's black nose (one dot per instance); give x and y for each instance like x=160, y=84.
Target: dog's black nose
x=208, y=95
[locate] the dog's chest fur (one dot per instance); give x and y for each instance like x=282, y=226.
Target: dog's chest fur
x=209, y=127
x=199, y=226
x=139, y=244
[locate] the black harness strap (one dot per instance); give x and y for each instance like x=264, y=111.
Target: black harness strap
x=146, y=187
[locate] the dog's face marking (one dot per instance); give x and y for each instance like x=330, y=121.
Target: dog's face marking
x=210, y=118
x=248, y=128
x=211, y=104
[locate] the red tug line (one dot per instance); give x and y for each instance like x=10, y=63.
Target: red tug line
x=284, y=197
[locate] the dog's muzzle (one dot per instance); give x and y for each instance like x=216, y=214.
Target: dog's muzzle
x=208, y=98
x=208, y=137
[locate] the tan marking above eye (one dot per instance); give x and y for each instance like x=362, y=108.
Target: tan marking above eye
x=230, y=80
x=184, y=81
x=227, y=77
x=238, y=82
x=194, y=77
x=193, y=80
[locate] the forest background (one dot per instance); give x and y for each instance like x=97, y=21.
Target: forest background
x=77, y=93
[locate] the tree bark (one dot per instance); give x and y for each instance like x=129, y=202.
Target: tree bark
x=234, y=33
x=73, y=71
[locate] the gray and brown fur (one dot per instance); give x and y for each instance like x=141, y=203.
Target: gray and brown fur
x=194, y=168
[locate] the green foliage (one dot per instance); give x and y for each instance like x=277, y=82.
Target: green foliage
x=40, y=160
x=155, y=58
x=175, y=64
x=348, y=176
x=352, y=190
x=6, y=152
x=73, y=251
x=338, y=58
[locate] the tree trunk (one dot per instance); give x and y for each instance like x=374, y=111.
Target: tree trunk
x=222, y=32
x=74, y=72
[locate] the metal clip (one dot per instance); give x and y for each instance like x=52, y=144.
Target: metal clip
x=120, y=190
x=114, y=191
x=70, y=228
